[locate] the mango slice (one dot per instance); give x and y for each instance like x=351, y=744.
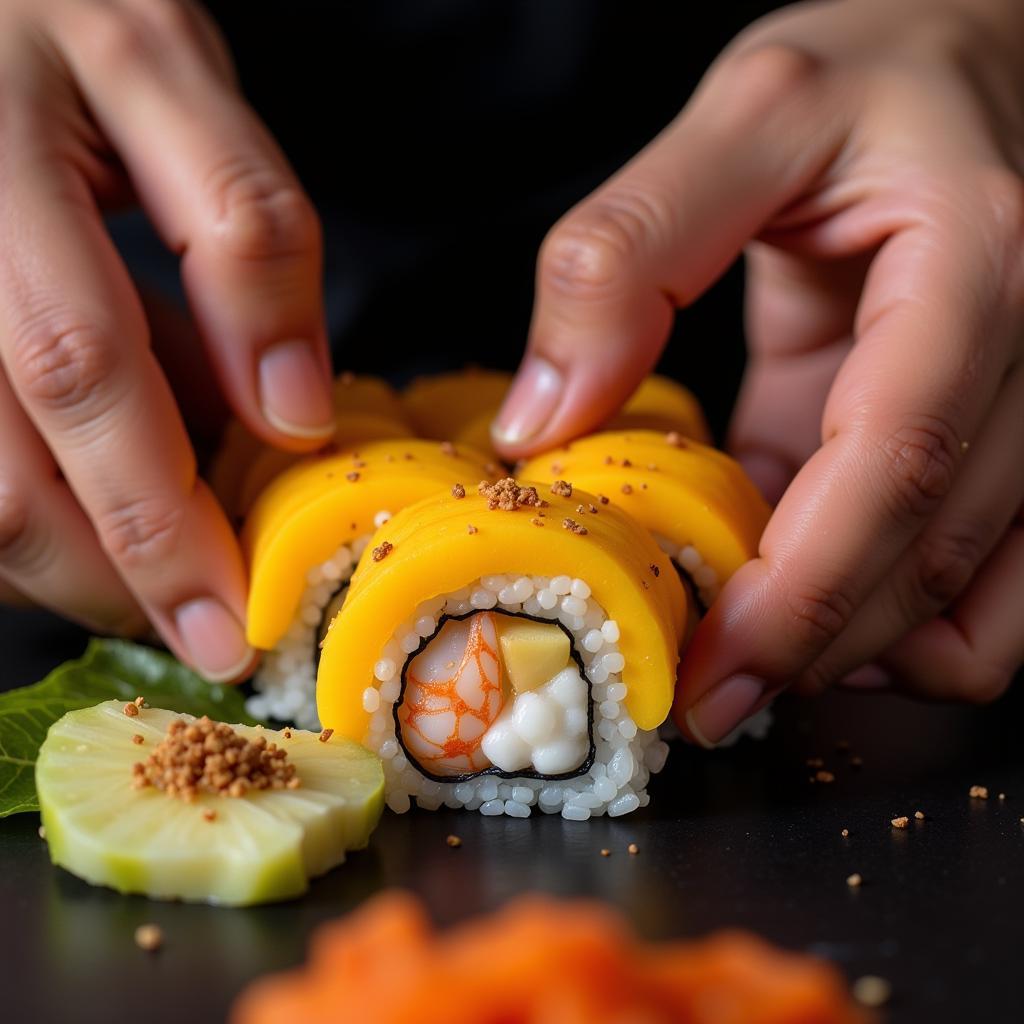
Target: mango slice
x=309, y=511
x=531, y=652
x=450, y=406
x=660, y=403
x=443, y=543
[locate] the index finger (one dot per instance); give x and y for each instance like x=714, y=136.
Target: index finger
x=928, y=359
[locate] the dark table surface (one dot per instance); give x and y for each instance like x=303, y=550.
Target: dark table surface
x=731, y=838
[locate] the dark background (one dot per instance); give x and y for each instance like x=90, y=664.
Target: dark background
x=440, y=141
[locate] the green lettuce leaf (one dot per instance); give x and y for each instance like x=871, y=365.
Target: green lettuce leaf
x=109, y=670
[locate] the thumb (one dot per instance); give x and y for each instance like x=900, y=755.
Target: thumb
x=612, y=272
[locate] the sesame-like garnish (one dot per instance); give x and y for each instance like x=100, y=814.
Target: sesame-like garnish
x=471, y=529
x=581, y=510
x=507, y=495
x=352, y=477
x=138, y=740
x=1002, y=796
x=627, y=489
x=626, y=463
x=919, y=815
x=458, y=491
x=210, y=757
x=131, y=710
x=573, y=527
x=592, y=509
x=562, y=488
x=536, y=521
x=409, y=457
x=901, y=822
x=325, y=735
x=978, y=792
x=609, y=461
x=605, y=852
x=655, y=571
x=871, y=991
x=632, y=849
x=209, y=814
x=287, y=734
x=845, y=833
x=824, y=776
x=149, y=937
x=855, y=881
x=447, y=448
x=382, y=550
x=603, y=499
x=674, y=438
x=454, y=842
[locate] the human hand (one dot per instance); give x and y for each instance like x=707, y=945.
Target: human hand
x=102, y=516
x=868, y=156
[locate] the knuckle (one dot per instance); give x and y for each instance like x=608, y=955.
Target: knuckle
x=817, y=614
x=60, y=364
x=141, y=533
x=945, y=564
x=764, y=77
x=594, y=248
x=920, y=461
x=261, y=214
x=168, y=19
x=15, y=521
x=114, y=37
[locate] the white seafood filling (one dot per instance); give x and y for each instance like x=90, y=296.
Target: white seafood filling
x=285, y=682
x=690, y=560
x=624, y=756
x=545, y=729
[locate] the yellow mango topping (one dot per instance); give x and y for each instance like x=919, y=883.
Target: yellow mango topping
x=532, y=652
x=449, y=406
x=660, y=403
x=309, y=511
x=444, y=542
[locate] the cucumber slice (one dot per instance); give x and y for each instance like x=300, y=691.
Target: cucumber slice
x=260, y=847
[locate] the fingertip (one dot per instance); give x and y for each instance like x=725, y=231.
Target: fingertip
x=213, y=640
x=532, y=400
x=294, y=394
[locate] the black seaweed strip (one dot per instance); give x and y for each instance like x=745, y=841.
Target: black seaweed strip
x=691, y=588
x=321, y=629
x=497, y=772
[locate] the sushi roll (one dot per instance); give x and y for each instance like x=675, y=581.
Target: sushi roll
x=304, y=536
x=660, y=403
x=505, y=648
x=698, y=503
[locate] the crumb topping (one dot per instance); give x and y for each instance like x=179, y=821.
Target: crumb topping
x=471, y=529
x=605, y=852
x=454, y=842
x=845, y=833
x=901, y=822
x=978, y=792
x=573, y=527
x=537, y=522
x=655, y=571
x=855, y=881
x=149, y=937
x=822, y=775
x=132, y=710
x=633, y=849
x=507, y=495
x=919, y=815
x=325, y=735
x=603, y=499
x=458, y=491
x=210, y=757
x=352, y=476
x=138, y=740
x=627, y=489
x=674, y=438
x=382, y=550
x=562, y=488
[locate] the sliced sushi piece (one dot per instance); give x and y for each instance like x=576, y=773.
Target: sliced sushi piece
x=219, y=841
x=699, y=504
x=508, y=649
x=303, y=538
x=660, y=403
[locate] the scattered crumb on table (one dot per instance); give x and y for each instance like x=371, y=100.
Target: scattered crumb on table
x=149, y=937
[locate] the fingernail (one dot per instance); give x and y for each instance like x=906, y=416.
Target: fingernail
x=294, y=395
x=535, y=395
x=867, y=677
x=771, y=475
x=723, y=707
x=213, y=639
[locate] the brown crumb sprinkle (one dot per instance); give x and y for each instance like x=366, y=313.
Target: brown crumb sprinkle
x=325, y=735
x=447, y=448
x=508, y=495
x=605, y=852
x=454, y=842
x=674, y=438
x=209, y=814
x=138, y=740
x=627, y=489
x=471, y=529
x=562, y=488
x=919, y=815
x=978, y=792
x=210, y=757
x=382, y=550
x=149, y=937
x=901, y=822
x=632, y=849
x=287, y=734
x=822, y=775
x=845, y=833
x=537, y=522
x=656, y=572
x=131, y=710
x=603, y=498
x=458, y=491
x=573, y=527
x=352, y=477
x=871, y=991
x=855, y=881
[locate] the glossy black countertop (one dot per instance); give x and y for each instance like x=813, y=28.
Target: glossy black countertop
x=731, y=838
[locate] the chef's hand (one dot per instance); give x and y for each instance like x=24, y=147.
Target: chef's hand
x=102, y=516
x=867, y=156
